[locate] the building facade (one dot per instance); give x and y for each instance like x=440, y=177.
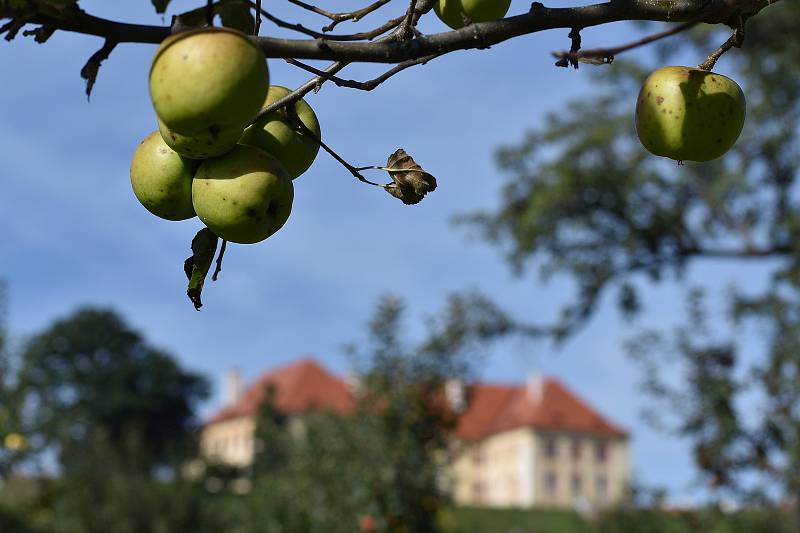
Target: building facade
x=533, y=444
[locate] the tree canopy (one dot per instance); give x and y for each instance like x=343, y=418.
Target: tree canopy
x=583, y=200
x=90, y=376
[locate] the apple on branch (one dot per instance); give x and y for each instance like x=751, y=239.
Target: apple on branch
x=454, y=12
x=206, y=86
x=689, y=114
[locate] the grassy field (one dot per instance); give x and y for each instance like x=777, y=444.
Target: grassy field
x=710, y=520
x=474, y=520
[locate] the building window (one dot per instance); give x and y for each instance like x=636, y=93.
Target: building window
x=601, y=487
x=601, y=450
x=577, y=485
x=551, y=483
x=478, y=491
x=550, y=447
x=576, y=448
x=478, y=455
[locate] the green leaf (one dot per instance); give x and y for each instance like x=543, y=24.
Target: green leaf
x=236, y=15
x=160, y=5
x=204, y=245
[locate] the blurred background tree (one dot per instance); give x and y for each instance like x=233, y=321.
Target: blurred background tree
x=583, y=199
x=110, y=420
x=91, y=378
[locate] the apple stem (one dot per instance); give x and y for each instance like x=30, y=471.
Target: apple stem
x=218, y=268
x=735, y=40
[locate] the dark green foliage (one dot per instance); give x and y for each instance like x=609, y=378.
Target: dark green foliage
x=9, y=404
x=90, y=376
x=584, y=200
x=120, y=416
x=12, y=522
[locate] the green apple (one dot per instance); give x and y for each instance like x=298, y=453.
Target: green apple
x=450, y=11
x=243, y=196
x=208, y=81
x=277, y=135
x=202, y=145
x=689, y=114
x=162, y=179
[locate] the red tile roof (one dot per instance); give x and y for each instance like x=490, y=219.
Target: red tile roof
x=496, y=408
x=300, y=386
x=305, y=385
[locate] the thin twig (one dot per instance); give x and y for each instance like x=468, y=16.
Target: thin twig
x=570, y=59
x=363, y=85
x=354, y=170
x=355, y=16
x=367, y=35
x=301, y=91
x=351, y=168
x=258, y=26
x=735, y=40
x=606, y=55
x=218, y=268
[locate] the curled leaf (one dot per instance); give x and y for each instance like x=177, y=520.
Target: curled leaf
x=92, y=66
x=236, y=14
x=160, y=5
x=196, y=267
x=410, y=183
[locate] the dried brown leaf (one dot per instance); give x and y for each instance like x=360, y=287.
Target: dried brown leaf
x=410, y=183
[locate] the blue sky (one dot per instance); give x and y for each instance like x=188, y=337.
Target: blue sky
x=74, y=233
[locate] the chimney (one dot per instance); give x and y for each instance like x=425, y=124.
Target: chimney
x=232, y=388
x=535, y=388
x=353, y=381
x=456, y=394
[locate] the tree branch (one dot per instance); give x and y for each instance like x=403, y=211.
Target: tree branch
x=777, y=250
x=540, y=18
x=341, y=17
x=363, y=85
x=297, y=94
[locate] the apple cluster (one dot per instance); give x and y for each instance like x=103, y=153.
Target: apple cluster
x=689, y=114
x=213, y=156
